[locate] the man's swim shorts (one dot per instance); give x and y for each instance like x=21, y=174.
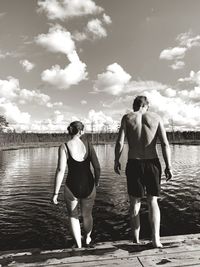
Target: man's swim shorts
x=143, y=174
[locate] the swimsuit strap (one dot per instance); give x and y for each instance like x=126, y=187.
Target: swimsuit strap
x=68, y=150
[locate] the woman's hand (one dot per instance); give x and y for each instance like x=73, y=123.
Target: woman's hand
x=55, y=199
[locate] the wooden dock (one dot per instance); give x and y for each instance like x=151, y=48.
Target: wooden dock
x=178, y=251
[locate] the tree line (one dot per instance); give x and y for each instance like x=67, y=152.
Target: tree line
x=14, y=138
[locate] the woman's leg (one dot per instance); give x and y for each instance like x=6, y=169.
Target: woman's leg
x=72, y=207
x=86, y=210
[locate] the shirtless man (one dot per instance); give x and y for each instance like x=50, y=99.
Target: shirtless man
x=143, y=170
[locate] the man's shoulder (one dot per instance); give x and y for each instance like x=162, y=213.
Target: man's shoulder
x=128, y=115
x=152, y=115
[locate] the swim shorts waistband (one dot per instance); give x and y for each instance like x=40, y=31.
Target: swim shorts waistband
x=144, y=160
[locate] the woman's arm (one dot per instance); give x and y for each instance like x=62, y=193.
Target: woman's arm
x=60, y=171
x=95, y=164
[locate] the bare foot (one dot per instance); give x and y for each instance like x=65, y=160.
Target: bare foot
x=157, y=244
x=88, y=240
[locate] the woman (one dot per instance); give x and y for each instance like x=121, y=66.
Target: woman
x=80, y=186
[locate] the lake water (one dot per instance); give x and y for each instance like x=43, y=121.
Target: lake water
x=28, y=219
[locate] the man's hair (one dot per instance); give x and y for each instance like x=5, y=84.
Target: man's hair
x=140, y=101
x=75, y=127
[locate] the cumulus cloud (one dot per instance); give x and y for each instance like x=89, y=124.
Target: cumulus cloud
x=72, y=74
x=99, y=121
x=193, y=78
x=57, y=40
x=9, y=88
x=176, y=109
x=185, y=41
x=60, y=40
x=107, y=19
x=113, y=80
x=11, y=91
x=177, y=65
x=188, y=40
x=64, y=9
x=12, y=113
x=173, y=53
x=96, y=28
x=27, y=65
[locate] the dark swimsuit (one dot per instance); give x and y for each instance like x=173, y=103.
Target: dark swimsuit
x=79, y=179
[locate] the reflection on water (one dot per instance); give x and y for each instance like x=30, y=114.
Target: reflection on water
x=29, y=219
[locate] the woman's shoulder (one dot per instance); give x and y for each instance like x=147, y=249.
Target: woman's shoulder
x=63, y=147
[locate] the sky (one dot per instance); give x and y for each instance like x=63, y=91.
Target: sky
x=65, y=60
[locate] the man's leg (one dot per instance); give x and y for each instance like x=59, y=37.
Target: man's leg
x=154, y=217
x=135, y=204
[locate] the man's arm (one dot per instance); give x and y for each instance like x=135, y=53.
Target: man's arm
x=166, y=152
x=119, y=145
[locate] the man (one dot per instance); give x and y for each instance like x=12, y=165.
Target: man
x=143, y=170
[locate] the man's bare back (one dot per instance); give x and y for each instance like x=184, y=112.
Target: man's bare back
x=142, y=132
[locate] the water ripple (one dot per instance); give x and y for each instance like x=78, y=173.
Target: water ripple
x=29, y=219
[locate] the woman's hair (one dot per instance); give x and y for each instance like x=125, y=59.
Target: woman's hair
x=75, y=127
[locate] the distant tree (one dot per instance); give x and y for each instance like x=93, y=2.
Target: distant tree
x=3, y=123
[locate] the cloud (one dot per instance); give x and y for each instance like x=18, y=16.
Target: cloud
x=185, y=42
x=6, y=54
x=60, y=40
x=12, y=113
x=107, y=19
x=11, y=91
x=173, y=53
x=113, y=80
x=177, y=65
x=99, y=121
x=187, y=39
x=72, y=74
x=193, y=78
x=64, y=9
x=9, y=88
x=35, y=97
x=57, y=40
x=96, y=28
x=183, y=113
x=83, y=102
x=27, y=65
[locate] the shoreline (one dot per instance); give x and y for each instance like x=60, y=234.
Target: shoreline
x=13, y=146
x=29, y=145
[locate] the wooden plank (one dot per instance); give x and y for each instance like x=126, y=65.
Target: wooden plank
x=105, y=251
x=172, y=259
x=125, y=262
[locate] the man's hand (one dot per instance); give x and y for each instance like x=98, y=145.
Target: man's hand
x=168, y=174
x=96, y=184
x=55, y=199
x=117, y=167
